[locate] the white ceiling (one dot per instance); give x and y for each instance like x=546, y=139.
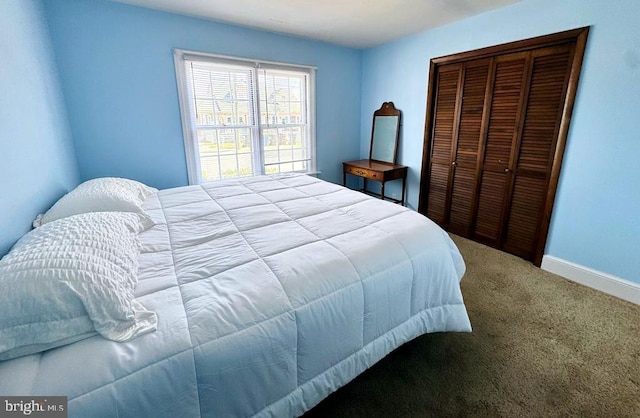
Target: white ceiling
x=353, y=23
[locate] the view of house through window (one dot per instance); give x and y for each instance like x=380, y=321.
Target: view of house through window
x=245, y=118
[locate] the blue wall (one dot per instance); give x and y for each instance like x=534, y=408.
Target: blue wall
x=118, y=76
x=596, y=219
x=37, y=163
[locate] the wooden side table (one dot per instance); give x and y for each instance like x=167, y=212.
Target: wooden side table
x=377, y=171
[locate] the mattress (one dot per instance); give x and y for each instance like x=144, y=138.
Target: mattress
x=271, y=292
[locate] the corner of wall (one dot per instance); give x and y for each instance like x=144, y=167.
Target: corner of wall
x=37, y=158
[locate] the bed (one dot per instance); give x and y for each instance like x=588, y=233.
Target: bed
x=271, y=292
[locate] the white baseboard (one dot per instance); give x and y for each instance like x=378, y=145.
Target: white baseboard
x=598, y=280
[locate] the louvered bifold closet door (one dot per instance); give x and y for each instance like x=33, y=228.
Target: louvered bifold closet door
x=468, y=145
x=495, y=133
x=509, y=78
x=444, y=124
x=549, y=69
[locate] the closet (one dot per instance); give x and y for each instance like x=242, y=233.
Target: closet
x=496, y=125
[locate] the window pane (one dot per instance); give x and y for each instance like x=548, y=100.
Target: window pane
x=296, y=113
x=227, y=141
x=225, y=153
x=208, y=150
x=270, y=156
x=245, y=143
x=294, y=136
x=271, y=169
x=204, y=112
x=299, y=154
x=241, y=82
x=286, y=167
x=286, y=154
x=229, y=166
x=243, y=113
x=270, y=144
x=201, y=83
x=208, y=140
x=245, y=162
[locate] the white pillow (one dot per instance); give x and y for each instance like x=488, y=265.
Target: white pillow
x=105, y=194
x=70, y=278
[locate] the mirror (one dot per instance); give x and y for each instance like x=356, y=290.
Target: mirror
x=384, y=133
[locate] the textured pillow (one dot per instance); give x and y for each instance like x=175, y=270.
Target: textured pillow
x=70, y=278
x=106, y=194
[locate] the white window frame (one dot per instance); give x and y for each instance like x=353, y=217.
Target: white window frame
x=190, y=142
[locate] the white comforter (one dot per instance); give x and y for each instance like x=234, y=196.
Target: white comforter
x=271, y=292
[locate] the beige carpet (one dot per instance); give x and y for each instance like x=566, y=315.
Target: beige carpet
x=541, y=346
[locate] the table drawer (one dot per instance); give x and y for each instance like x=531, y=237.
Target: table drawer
x=363, y=172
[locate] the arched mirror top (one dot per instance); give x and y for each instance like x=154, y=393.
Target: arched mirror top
x=384, y=134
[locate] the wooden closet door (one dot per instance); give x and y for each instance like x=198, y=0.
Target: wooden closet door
x=495, y=131
x=535, y=148
x=509, y=79
x=475, y=75
x=461, y=96
x=445, y=121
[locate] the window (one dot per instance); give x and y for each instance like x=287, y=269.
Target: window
x=245, y=118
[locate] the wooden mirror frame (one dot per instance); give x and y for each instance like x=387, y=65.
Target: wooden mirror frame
x=387, y=109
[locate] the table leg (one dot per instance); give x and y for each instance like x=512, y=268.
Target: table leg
x=404, y=183
x=344, y=178
x=382, y=191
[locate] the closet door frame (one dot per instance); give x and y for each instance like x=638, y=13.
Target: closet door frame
x=575, y=36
